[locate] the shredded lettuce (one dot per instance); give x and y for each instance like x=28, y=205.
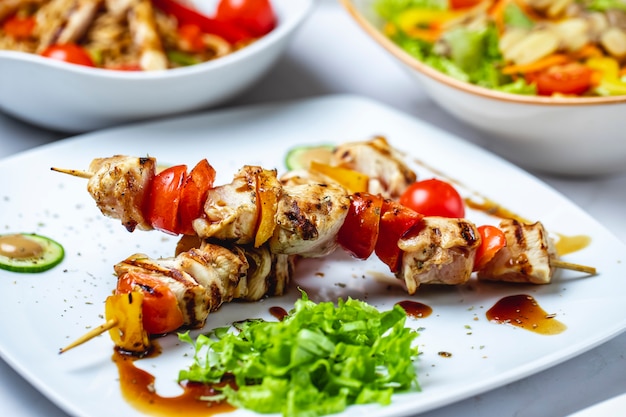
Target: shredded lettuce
x=318, y=360
x=468, y=54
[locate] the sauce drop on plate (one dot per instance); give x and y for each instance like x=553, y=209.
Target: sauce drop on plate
x=138, y=390
x=415, y=309
x=523, y=311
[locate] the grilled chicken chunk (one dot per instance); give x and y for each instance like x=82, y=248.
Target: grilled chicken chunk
x=442, y=252
x=143, y=29
x=308, y=219
x=526, y=256
x=8, y=7
x=64, y=21
x=118, y=186
x=389, y=174
x=231, y=210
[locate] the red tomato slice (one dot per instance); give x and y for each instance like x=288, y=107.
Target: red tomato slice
x=395, y=222
x=19, y=27
x=573, y=78
x=359, y=233
x=193, y=195
x=69, y=52
x=433, y=197
x=164, y=198
x=255, y=16
x=192, y=36
x=492, y=240
x=160, y=311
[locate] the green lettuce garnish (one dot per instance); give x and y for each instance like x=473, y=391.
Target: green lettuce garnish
x=318, y=360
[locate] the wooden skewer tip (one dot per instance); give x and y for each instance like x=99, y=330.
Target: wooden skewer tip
x=557, y=263
x=73, y=172
x=108, y=325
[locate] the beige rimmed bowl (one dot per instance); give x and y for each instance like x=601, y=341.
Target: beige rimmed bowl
x=563, y=136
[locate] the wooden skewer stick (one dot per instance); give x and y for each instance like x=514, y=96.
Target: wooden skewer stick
x=73, y=172
x=97, y=331
x=557, y=263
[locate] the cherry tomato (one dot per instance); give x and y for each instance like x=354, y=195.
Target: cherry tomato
x=160, y=311
x=187, y=15
x=463, y=4
x=69, y=52
x=193, y=195
x=255, y=16
x=19, y=27
x=164, y=197
x=395, y=221
x=573, y=78
x=433, y=197
x=359, y=232
x=492, y=240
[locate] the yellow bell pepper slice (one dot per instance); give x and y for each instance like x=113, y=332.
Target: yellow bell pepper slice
x=126, y=310
x=426, y=24
x=268, y=192
x=353, y=181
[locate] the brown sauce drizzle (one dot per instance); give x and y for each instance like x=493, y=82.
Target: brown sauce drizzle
x=278, y=312
x=415, y=309
x=523, y=311
x=564, y=245
x=19, y=247
x=139, y=391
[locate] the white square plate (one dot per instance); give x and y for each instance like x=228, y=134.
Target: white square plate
x=44, y=312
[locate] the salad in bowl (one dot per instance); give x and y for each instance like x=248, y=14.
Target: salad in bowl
x=531, y=47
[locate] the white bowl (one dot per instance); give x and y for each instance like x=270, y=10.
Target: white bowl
x=73, y=98
x=566, y=136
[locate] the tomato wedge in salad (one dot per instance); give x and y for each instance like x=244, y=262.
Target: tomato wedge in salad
x=254, y=16
x=69, y=52
x=572, y=79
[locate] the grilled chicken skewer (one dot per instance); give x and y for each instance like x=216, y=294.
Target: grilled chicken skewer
x=181, y=291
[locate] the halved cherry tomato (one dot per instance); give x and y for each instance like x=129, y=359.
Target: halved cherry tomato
x=492, y=240
x=69, y=52
x=359, y=232
x=160, y=311
x=19, y=27
x=193, y=195
x=164, y=198
x=396, y=221
x=433, y=197
x=186, y=15
x=573, y=78
x=255, y=16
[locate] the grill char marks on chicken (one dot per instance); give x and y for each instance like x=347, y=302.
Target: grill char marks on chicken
x=526, y=256
x=119, y=185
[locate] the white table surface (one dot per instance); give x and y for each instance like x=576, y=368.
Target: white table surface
x=331, y=55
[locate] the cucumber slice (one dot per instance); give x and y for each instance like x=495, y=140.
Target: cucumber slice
x=301, y=156
x=29, y=252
